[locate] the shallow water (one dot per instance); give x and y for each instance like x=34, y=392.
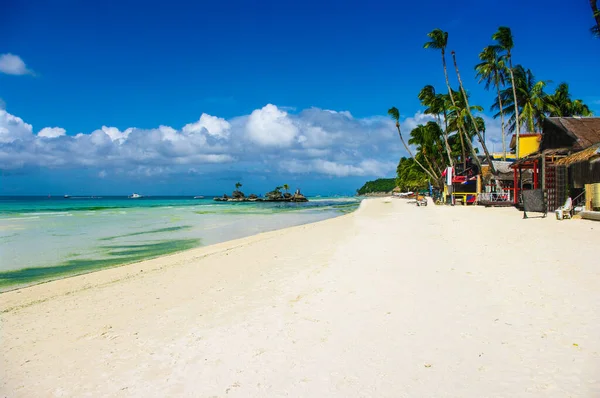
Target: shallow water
x=47, y=238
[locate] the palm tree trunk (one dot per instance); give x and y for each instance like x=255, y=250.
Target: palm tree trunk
x=514, y=90
x=502, y=124
x=475, y=127
x=429, y=164
x=464, y=158
x=446, y=143
x=411, y=154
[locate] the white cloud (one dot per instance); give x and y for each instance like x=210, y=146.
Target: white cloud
x=13, y=128
x=322, y=142
x=52, y=132
x=13, y=65
x=270, y=126
x=214, y=126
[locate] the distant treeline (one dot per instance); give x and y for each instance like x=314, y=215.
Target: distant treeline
x=379, y=185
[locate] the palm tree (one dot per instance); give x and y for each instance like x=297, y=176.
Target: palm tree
x=439, y=41
x=395, y=115
x=436, y=106
x=475, y=125
x=505, y=41
x=286, y=187
x=561, y=104
x=458, y=120
x=425, y=138
x=596, y=13
x=238, y=185
x=531, y=101
x=493, y=71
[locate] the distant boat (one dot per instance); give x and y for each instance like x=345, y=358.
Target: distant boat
x=135, y=196
x=66, y=196
x=199, y=197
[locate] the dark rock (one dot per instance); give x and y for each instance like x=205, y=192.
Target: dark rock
x=237, y=194
x=274, y=195
x=252, y=196
x=298, y=197
x=287, y=195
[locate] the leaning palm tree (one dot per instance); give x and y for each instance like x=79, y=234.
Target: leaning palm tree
x=395, y=115
x=425, y=139
x=439, y=41
x=505, y=41
x=475, y=124
x=492, y=70
x=531, y=101
x=436, y=106
x=286, y=187
x=458, y=120
x=238, y=185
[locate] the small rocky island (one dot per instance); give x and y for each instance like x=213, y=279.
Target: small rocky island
x=274, y=196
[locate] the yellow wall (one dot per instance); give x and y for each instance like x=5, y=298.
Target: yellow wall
x=528, y=145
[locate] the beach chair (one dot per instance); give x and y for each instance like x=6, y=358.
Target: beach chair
x=565, y=211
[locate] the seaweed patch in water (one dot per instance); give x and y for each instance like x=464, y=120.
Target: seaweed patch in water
x=152, y=231
x=79, y=266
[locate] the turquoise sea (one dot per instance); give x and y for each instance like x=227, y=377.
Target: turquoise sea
x=44, y=238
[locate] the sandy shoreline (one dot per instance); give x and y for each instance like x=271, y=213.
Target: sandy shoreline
x=392, y=300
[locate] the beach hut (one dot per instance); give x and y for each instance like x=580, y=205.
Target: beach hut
x=561, y=137
x=583, y=170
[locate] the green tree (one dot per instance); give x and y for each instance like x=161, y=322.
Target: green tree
x=492, y=70
x=427, y=140
x=505, y=41
x=409, y=176
x=439, y=41
x=531, y=101
x=286, y=187
x=475, y=124
x=378, y=185
x=436, y=105
x=395, y=115
x=560, y=103
x=238, y=185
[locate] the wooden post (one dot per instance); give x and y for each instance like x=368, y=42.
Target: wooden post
x=515, y=186
x=588, y=197
x=535, y=174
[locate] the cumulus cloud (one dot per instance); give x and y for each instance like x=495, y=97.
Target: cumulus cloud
x=13, y=65
x=269, y=139
x=270, y=126
x=214, y=126
x=52, y=132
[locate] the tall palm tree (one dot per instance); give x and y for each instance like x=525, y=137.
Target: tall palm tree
x=395, y=115
x=238, y=185
x=286, y=187
x=505, y=41
x=531, y=100
x=439, y=41
x=561, y=104
x=458, y=120
x=435, y=104
x=492, y=70
x=475, y=124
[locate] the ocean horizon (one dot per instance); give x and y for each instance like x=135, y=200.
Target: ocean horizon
x=51, y=237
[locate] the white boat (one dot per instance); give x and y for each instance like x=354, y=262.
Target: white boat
x=199, y=197
x=135, y=196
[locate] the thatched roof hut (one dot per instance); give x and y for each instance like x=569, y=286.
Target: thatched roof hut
x=575, y=133
x=591, y=153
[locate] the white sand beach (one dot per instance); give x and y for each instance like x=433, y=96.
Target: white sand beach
x=392, y=300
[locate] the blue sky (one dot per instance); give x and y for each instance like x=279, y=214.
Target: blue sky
x=291, y=92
